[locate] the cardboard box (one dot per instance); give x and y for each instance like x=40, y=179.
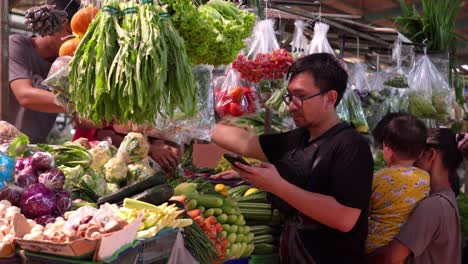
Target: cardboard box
x=97, y=250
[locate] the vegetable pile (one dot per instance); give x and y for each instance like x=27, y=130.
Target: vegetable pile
x=134, y=68
x=214, y=33
x=265, y=66
x=7, y=232
x=38, y=188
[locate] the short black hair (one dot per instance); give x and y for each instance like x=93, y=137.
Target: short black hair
x=326, y=70
x=69, y=6
x=379, y=130
x=444, y=140
x=406, y=135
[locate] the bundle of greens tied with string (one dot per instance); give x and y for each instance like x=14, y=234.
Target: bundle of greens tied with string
x=132, y=65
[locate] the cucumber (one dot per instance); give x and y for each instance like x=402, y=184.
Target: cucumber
x=228, y=210
x=209, y=212
x=256, y=214
x=232, y=219
x=264, y=249
x=133, y=189
x=254, y=198
x=240, y=220
x=157, y=195
x=261, y=230
x=246, y=230
x=248, y=205
x=233, y=229
x=261, y=239
x=210, y=201
x=222, y=219
x=226, y=227
x=240, y=230
x=239, y=238
x=230, y=202
x=232, y=238
x=249, y=237
x=202, y=208
x=238, y=191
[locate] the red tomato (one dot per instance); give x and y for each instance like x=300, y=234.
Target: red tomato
x=236, y=93
x=236, y=109
x=219, y=227
x=223, y=108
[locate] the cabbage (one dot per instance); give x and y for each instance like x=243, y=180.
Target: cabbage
x=72, y=175
x=44, y=220
x=11, y=193
x=95, y=182
x=115, y=170
x=22, y=163
x=37, y=200
x=64, y=202
x=42, y=161
x=53, y=179
x=26, y=177
x=136, y=145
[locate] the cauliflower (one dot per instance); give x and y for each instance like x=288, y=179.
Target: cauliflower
x=102, y=153
x=95, y=181
x=138, y=171
x=112, y=187
x=136, y=145
x=72, y=175
x=115, y=170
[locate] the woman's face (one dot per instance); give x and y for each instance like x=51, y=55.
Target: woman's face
x=426, y=160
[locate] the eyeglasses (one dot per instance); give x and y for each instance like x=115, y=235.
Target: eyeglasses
x=298, y=101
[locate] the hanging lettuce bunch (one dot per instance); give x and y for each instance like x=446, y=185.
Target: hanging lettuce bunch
x=215, y=32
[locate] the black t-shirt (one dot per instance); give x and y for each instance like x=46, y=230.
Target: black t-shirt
x=338, y=163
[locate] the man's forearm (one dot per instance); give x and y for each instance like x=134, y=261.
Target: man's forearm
x=41, y=101
x=238, y=140
x=322, y=208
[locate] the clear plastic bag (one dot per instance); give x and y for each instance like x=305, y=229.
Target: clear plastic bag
x=236, y=98
x=276, y=103
x=264, y=60
x=429, y=94
x=343, y=111
x=182, y=129
x=299, y=41
x=356, y=113
x=319, y=43
x=397, y=78
x=57, y=78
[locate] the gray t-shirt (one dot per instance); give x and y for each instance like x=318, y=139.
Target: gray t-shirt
x=25, y=63
x=433, y=231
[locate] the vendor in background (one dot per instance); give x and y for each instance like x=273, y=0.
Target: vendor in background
x=432, y=234
x=33, y=109
x=320, y=174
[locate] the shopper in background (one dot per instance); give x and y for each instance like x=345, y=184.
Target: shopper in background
x=320, y=174
x=432, y=234
x=32, y=108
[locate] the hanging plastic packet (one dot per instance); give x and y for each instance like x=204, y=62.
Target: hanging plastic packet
x=374, y=99
x=57, y=81
x=236, y=97
x=181, y=129
x=319, y=43
x=429, y=95
x=342, y=110
x=299, y=41
x=264, y=60
x=356, y=113
x=397, y=77
x=276, y=102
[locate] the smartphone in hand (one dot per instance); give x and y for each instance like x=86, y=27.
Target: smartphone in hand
x=232, y=158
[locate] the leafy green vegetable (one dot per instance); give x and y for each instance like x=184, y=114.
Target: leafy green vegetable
x=18, y=145
x=214, y=34
x=421, y=107
x=441, y=103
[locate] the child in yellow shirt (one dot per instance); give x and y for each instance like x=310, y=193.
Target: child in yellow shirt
x=398, y=188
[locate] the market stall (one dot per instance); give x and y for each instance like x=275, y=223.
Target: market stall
x=150, y=66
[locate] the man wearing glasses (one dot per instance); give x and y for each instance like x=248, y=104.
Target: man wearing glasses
x=319, y=175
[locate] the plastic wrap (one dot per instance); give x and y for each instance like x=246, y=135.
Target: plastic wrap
x=430, y=95
x=8, y=133
x=299, y=41
x=356, y=113
x=181, y=129
x=319, y=43
x=264, y=60
x=236, y=98
x=7, y=165
x=343, y=111
x=57, y=81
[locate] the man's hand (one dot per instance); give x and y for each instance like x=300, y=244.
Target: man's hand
x=226, y=175
x=166, y=156
x=265, y=177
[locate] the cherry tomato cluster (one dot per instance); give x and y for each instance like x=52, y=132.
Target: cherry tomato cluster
x=213, y=230
x=265, y=66
x=237, y=101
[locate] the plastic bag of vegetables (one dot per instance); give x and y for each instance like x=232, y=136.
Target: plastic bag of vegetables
x=265, y=60
x=356, y=113
x=182, y=129
x=430, y=95
x=135, y=145
x=236, y=98
x=299, y=41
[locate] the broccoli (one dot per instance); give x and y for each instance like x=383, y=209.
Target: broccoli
x=115, y=170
